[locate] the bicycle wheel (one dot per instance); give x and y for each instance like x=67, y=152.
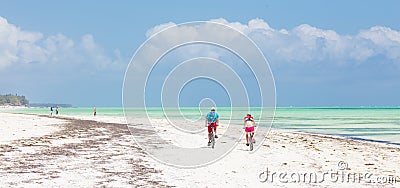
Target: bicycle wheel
x=212, y=139
x=251, y=142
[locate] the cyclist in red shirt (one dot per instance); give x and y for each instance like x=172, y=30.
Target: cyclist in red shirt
x=212, y=121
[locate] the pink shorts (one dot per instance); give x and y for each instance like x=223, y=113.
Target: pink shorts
x=210, y=127
x=249, y=129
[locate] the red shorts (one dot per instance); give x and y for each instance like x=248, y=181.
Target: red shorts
x=210, y=127
x=249, y=129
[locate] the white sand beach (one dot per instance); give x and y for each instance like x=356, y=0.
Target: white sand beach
x=87, y=151
x=19, y=126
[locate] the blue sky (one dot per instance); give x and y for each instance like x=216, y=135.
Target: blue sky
x=77, y=52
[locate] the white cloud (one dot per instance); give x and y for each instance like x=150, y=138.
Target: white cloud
x=385, y=41
x=158, y=28
x=306, y=43
x=18, y=46
x=303, y=43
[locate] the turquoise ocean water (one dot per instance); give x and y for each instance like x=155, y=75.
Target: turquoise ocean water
x=380, y=124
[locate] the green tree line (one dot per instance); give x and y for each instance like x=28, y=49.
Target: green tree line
x=13, y=100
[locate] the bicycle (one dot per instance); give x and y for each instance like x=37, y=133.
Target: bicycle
x=212, y=135
x=251, y=141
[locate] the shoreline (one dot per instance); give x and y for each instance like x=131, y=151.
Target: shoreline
x=121, y=120
x=336, y=136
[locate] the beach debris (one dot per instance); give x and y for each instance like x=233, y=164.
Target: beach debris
x=42, y=154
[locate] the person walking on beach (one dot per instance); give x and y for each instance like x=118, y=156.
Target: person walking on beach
x=94, y=111
x=51, y=110
x=57, y=110
x=212, y=120
x=249, y=125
